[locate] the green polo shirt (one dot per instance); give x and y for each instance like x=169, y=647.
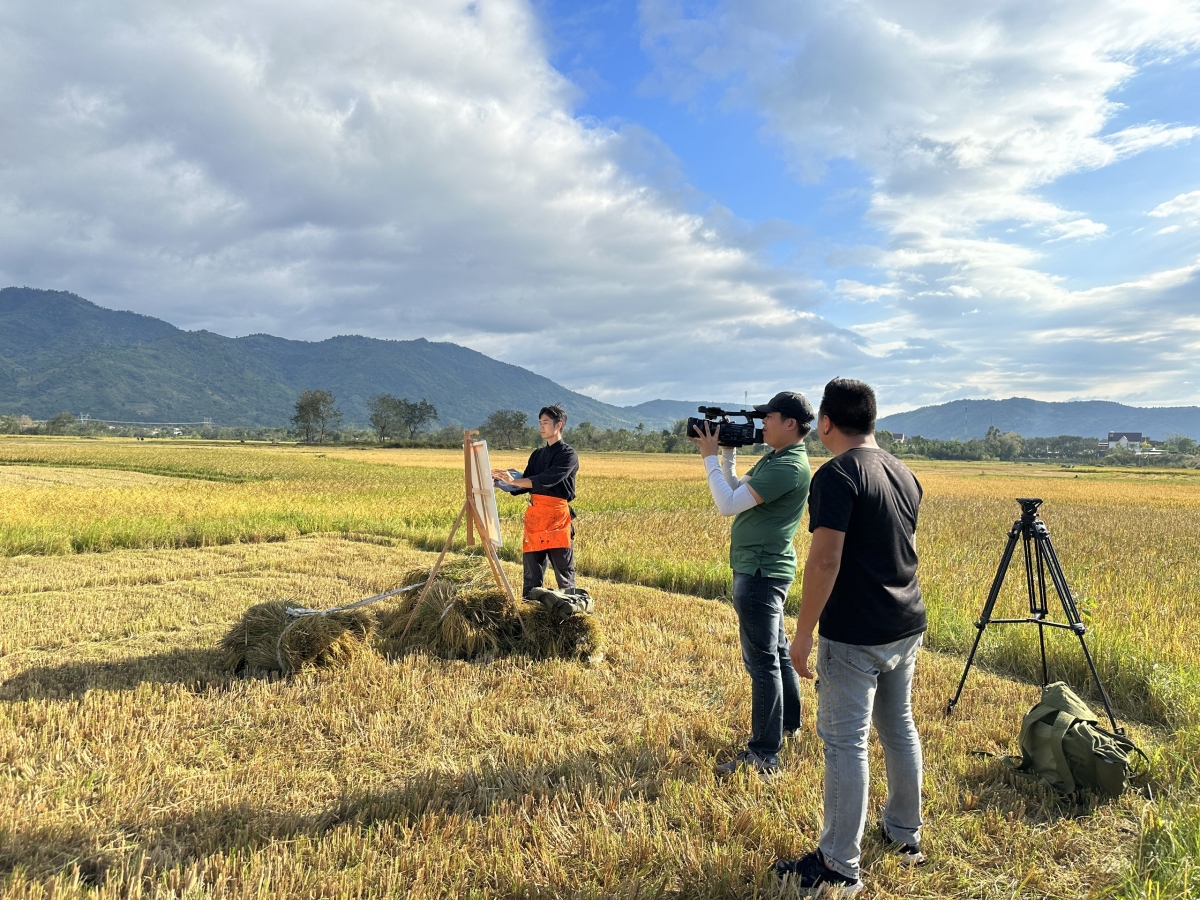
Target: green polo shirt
x=761, y=538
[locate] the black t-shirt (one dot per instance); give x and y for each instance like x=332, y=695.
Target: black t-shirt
x=552, y=470
x=873, y=498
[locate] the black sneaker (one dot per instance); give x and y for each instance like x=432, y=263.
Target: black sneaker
x=812, y=878
x=748, y=759
x=907, y=854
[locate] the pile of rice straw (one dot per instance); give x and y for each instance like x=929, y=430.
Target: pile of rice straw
x=267, y=639
x=463, y=616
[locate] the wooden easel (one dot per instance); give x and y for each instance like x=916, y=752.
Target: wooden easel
x=474, y=523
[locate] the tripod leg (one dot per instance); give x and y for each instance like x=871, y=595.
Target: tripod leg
x=1041, y=610
x=986, y=615
x=1072, y=613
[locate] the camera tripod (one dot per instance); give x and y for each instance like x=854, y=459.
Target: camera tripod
x=1039, y=554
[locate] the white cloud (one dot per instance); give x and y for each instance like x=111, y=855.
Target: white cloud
x=962, y=114
x=1185, y=206
x=399, y=169
x=411, y=168
x=1147, y=137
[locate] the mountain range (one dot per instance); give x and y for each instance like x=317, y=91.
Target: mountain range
x=964, y=419
x=59, y=352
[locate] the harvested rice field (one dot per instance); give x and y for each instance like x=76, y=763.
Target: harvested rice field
x=135, y=763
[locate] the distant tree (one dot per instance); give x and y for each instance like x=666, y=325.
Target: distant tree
x=675, y=438
x=505, y=428
x=316, y=414
x=416, y=417
x=815, y=448
x=1064, y=446
x=1179, y=443
x=389, y=415
x=582, y=436
x=384, y=413
x=1011, y=445
x=449, y=434
x=63, y=423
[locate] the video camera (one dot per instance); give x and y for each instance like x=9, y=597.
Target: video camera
x=733, y=434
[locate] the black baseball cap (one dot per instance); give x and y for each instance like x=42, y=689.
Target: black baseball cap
x=791, y=405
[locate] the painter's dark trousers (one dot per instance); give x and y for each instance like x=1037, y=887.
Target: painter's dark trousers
x=561, y=558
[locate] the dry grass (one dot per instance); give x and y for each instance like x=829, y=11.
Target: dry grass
x=132, y=763
x=135, y=766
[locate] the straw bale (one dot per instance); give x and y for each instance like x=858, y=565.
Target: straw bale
x=546, y=635
x=315, y=640
x=452, y=621
x=464, y=616
x=467, y=569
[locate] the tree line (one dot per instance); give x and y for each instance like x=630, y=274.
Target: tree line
x=400, y=420
x=1008, y=446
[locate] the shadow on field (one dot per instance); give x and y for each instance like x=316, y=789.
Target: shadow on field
x=199, y=668
x=41, y=852
x=174, y=839
x=489, y=790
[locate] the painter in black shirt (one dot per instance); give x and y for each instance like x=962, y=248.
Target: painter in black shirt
x=552, y=470
x=549, y=480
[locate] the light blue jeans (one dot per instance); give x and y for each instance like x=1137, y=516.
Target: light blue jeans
x=858, y=685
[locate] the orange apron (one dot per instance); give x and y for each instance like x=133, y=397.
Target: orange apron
x=547, y=524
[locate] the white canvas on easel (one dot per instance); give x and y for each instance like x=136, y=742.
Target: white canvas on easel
x=483, y=493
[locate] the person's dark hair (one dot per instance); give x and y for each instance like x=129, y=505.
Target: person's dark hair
x=850, y=405
x=554, y=411
x=803, y=429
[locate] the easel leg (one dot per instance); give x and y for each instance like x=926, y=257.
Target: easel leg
x=497, y=569
x=433, y=572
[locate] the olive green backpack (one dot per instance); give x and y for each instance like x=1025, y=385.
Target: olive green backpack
x=563, y=603
x=1062, y=747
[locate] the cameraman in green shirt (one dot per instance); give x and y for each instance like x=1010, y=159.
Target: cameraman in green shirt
x=767, y=504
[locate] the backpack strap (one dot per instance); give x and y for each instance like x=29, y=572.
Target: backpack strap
x=1058, y=730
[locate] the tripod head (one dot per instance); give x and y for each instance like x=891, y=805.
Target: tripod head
x=1029, y=508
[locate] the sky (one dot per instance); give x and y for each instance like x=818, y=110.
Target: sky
x=640, y=199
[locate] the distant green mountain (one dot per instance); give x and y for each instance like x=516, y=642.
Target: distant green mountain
x=964, y=419
x=60, y=352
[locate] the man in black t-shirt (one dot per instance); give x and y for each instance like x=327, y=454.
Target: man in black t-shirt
x=860, y=583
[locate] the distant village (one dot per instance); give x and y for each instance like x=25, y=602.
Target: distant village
x=1133, y=441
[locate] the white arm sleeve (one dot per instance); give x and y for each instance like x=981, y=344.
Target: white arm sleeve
x=730, y=500
x=727, y=458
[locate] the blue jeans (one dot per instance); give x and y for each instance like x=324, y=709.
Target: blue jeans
x=856, y=685
x=774, y=686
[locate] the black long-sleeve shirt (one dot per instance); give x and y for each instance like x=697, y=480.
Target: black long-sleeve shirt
x=552, y=470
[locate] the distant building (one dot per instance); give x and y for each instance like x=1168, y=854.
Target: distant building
x=897, y=437
x=1125, y=438
x=1128, y=440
